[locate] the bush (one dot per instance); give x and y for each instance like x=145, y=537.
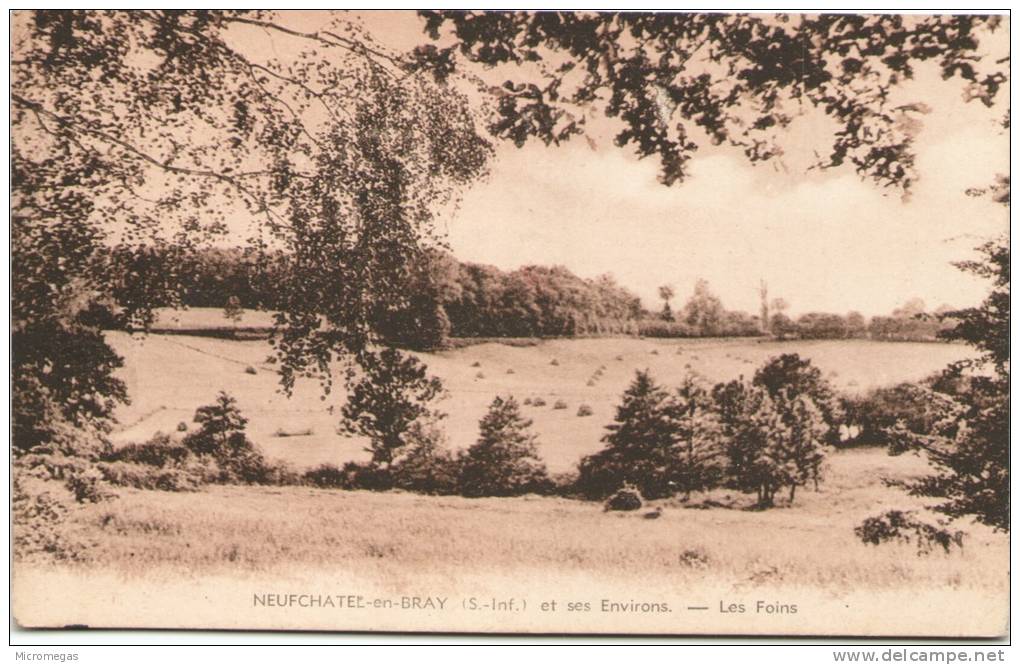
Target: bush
x=538, y=401
x=352, y=476
x=160, y=450
x=504, y=461
x=527, y=401
x=182, y=426
x=560, y=404
x=555, y=362
x=591, y=382
x=39, y=510
x=584, y=410
x=915, y=406
x=427, y=467
x=147, y=477
x=903, y=526
x=250, y=370
x=510, y=370
x=326, y=475
x=626, y=498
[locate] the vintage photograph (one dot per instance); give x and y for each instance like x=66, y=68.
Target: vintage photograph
x=515, y=322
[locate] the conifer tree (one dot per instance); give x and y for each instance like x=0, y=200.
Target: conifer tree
x=639, y=445
x=504, y=461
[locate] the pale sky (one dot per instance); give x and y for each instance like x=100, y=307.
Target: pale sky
x=828, y=242
x=823, y=241
x=832, y=243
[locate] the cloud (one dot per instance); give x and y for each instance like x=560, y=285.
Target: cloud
x=823, y=241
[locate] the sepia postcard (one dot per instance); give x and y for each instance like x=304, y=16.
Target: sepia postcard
x=520, y=322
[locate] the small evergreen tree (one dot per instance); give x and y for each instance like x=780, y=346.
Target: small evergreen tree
x=217, y=424
x=504, y=461
x=639, y=445
x=394, y=392
x=221, y=436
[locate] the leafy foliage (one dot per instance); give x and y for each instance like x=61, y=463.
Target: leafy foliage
x=142, y=131
x=904, y=526
x=732, y=77
x=394, y=392
x=795, y=376
x=426, y=465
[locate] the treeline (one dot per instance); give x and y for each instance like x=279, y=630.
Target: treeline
x=441, y=297
x=905, y=324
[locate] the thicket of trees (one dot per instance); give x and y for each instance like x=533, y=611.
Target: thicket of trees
x=759, y=436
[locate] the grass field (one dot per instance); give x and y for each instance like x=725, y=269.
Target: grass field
x=169, y=376
x=218, y=546
x=196, y=559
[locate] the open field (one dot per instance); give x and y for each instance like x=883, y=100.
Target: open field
x=199, y=559
x=168, y=376
x=223, y=544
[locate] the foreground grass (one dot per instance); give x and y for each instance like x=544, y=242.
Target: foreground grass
x=224, y=530
x=196, y=559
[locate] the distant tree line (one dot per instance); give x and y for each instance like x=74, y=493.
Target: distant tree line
x=443, y=297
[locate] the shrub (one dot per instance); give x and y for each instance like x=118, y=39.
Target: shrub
x=480, y=375
x=427, y=467
x=563, y=484
x=626, y=498
x=85, y=487
x=560, y=404
x=182, y=426
x=538, y=401
x=159, y=451
x=527, y=401
x=39, y=510
x=591, y=382
x=222, y=438
x=903, y=526
x=326, y=475
x=476, y=364
x=915, y=406
x=510, y=370
x=147, y=477
x=555, y=362
x=504, y=461
x=584, y=410
x=352, y=476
